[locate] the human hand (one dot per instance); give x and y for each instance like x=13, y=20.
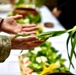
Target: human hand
x=56, y=12
x=10, y=25
x=26, y=42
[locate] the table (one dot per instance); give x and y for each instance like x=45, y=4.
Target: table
x=11, y=65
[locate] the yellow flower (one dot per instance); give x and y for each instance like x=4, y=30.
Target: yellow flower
x=49, y=69
x=37, y=32
x=22, y=6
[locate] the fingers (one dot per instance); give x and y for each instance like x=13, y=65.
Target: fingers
x=33, y=44
x=26, y=45
x=30, y=38
x=25, y=39
x=17, y=31
x=29, y=25
x=26, y=42
x=17, y=17
x=30, y=29
x=24, y=32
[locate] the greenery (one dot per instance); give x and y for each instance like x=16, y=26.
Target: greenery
x=44, y=59
x=38, y=3
x=30, y=19
x=19, y=2
x=71, y=39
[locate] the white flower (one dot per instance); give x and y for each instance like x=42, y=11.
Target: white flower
x=58, y=63
x=36, y=50
x=41, y=59
x=26, y=20
x=34, y=73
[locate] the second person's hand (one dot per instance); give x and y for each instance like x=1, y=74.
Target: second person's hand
x=27, y=42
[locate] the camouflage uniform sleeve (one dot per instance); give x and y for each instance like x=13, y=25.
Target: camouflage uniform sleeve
x=5, y=47
x=1, y=20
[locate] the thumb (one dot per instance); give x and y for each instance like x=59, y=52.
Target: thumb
x=17, y=17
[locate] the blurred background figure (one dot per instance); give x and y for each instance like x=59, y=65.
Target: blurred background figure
x=65, y=11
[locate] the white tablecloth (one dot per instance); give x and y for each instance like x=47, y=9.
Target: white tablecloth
x=11, y=65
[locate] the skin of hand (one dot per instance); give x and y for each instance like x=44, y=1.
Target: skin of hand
x=9, y=25
x=56, y=12
x=27, y=42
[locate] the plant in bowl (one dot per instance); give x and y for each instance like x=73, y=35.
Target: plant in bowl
x=42, y=60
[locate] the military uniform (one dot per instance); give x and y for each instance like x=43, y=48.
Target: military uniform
x=5, y=46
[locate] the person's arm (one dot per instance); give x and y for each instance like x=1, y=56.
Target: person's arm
x=7, y=42
x=1, y=19
x=61, y=7
x=5, y=47
x=62, y=4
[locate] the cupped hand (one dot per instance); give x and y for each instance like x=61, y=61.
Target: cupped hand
x=10, y=25
x=27, y=42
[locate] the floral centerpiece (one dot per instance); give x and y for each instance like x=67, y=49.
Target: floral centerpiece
x=42, y=60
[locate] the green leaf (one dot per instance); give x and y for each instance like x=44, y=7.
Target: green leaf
x=58, y=57
x=17, y=35
x=73, y=42
x=67, y=42
x=35, y=66
x=72, y=50
x=20, y=2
